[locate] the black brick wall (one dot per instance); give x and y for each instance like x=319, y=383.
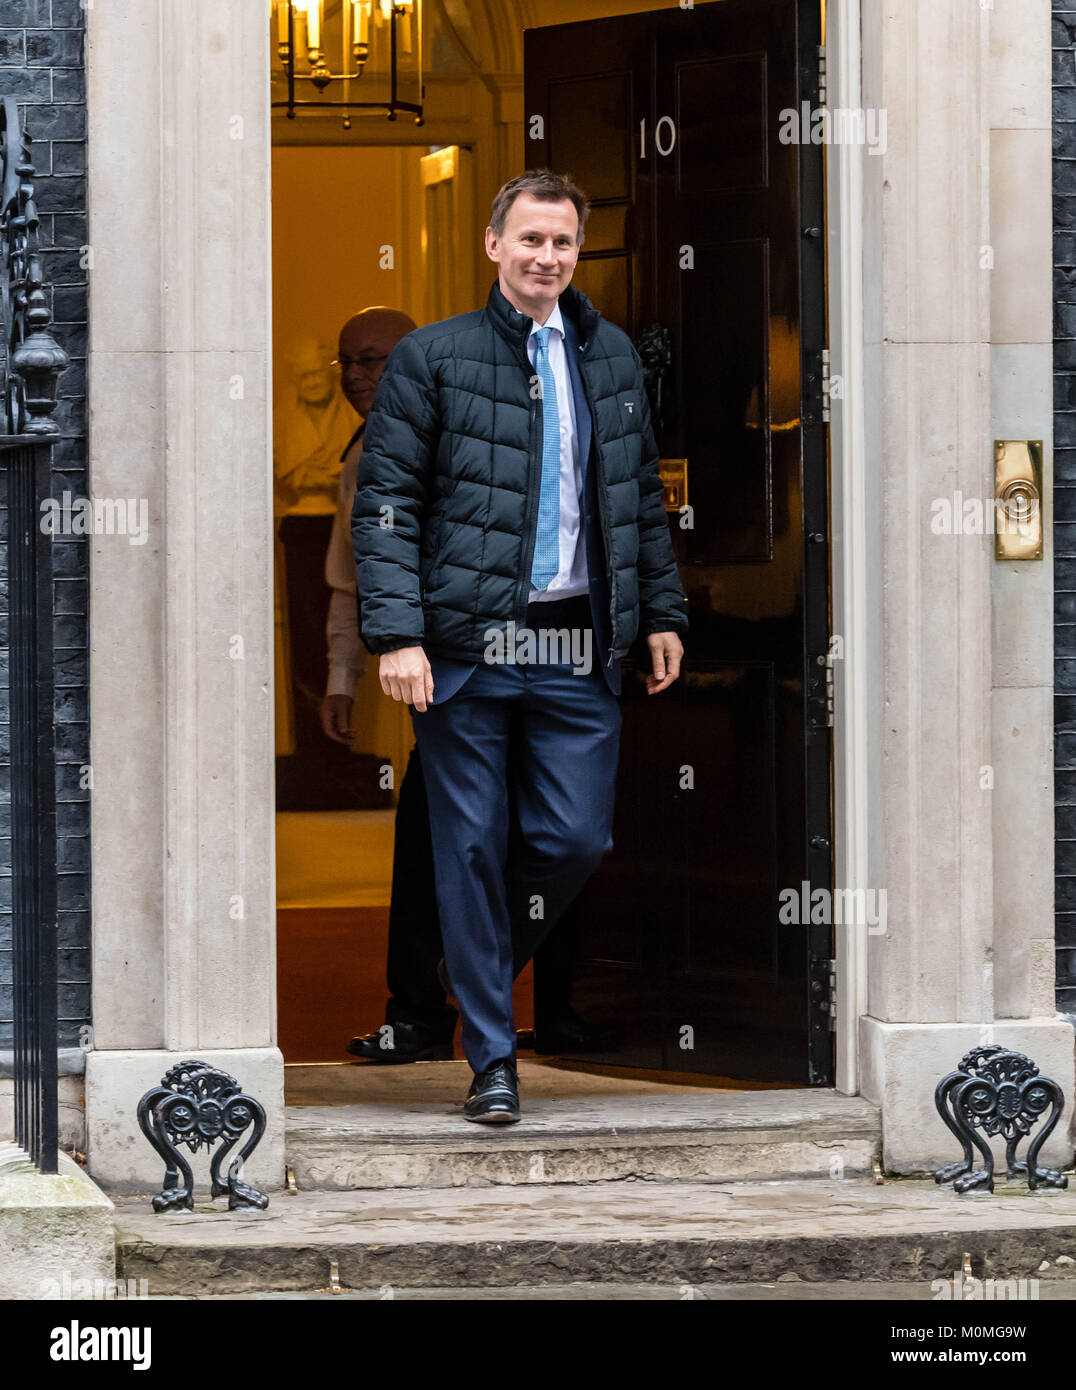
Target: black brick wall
x=41, y=65
x=1064, y=99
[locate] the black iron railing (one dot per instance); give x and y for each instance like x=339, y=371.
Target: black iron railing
x=30, y=364
x=25, y=462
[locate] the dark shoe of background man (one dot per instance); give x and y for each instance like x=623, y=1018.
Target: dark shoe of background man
x=402, y=1042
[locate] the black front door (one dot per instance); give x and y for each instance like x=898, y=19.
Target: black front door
x=704, y=244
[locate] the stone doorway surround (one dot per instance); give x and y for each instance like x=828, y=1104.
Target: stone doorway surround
x=937, y=357
x=941, y=322
x=181, y=660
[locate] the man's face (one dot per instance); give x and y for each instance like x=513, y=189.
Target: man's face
x=364, y=346
x=536, y=254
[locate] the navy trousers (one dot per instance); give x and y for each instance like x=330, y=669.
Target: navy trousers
x=564, y=732
x=416, y=995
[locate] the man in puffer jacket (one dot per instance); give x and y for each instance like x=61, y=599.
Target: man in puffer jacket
x=510, y=542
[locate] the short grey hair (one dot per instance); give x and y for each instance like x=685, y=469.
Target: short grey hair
x=548, y=188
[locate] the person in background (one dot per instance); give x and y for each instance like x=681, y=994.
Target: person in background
x=419, y=1022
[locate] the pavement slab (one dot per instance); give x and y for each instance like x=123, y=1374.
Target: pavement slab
x=618, y=1232
x=795, y=1291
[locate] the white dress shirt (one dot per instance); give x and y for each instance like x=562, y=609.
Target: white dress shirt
x=347, y=655
x=571, y=578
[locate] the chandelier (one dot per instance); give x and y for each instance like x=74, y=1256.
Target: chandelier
x=380, y=46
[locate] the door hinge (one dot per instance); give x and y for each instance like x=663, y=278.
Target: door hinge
x=820, y=691
x=821, y=74
x=832, y=996
x=817, y=382
x=824, y=992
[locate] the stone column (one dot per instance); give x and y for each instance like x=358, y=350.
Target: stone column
x=935, y=979
x=182, y=637
x=1021, y=374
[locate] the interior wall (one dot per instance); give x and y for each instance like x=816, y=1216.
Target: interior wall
x=334, y=207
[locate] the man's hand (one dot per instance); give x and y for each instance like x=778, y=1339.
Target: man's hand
x=336, y=717
x=406, y=675
x=666, y=652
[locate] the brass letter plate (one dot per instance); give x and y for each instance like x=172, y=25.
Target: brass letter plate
x=1018, y=499
x=674, y=483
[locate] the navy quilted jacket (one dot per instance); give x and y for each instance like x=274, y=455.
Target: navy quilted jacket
x=445, y=511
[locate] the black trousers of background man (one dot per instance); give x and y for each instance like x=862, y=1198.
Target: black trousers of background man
x=415, y=932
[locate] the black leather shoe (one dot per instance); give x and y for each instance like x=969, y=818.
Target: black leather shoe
x=570, y=1033
x=494, y=1096
x=401, y=1042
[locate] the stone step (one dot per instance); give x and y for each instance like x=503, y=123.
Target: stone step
x=690, y=1136
x=787, y=1289
x=671, y=1234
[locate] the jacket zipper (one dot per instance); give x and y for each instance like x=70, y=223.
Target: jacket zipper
x=530, y=522
x=602, y=512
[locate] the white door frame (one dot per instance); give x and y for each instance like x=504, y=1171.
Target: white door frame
x=854, y=606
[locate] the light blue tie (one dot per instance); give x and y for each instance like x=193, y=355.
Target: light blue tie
x=547, y=538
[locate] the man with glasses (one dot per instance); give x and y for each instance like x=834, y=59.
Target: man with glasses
x=364, y=345
x=419, y=1024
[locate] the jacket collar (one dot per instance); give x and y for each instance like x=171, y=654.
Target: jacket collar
x=516, y=327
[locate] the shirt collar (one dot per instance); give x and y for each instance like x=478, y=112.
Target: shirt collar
x=555, y=320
